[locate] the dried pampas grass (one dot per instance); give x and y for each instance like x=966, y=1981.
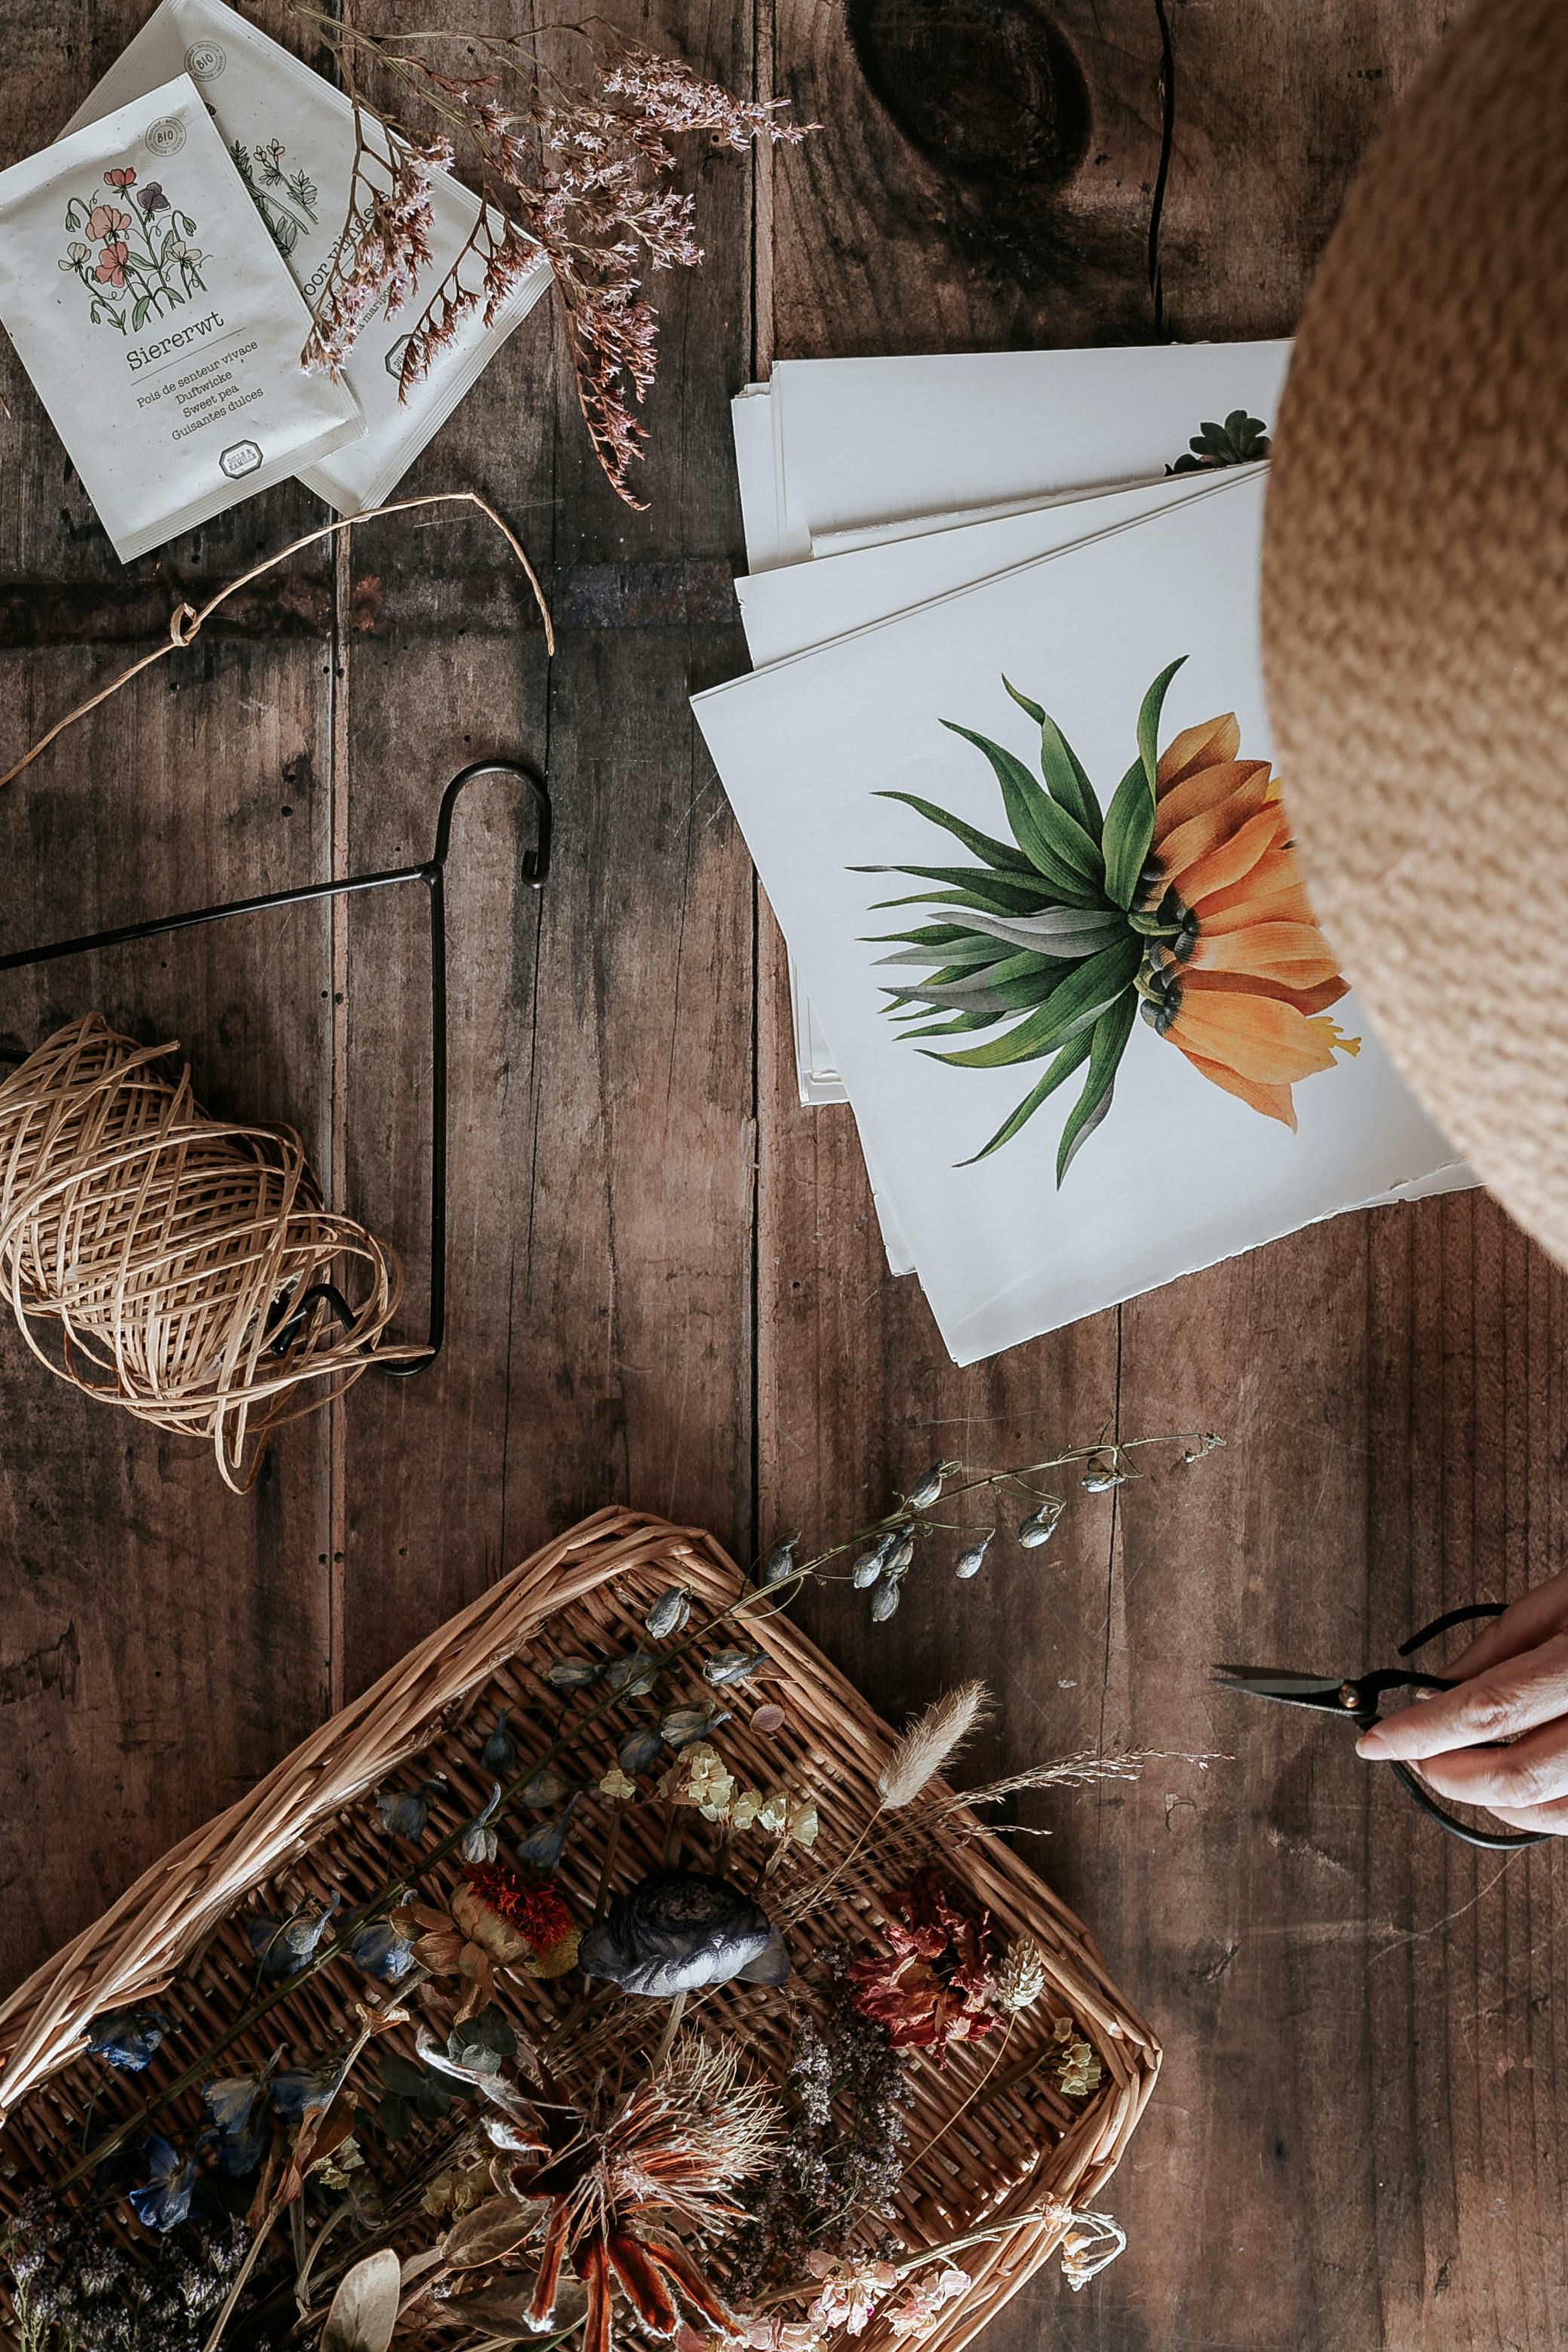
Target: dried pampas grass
x=926, y=1744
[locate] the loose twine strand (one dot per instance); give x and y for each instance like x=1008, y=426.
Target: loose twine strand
x=187, y=621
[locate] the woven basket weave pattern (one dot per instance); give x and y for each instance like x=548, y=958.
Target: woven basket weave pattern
x=309, y=1830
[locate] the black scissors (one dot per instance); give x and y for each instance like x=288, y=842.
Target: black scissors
x=1356, y=1701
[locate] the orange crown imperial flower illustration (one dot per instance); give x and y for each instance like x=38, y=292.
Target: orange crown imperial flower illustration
x=1181, y=900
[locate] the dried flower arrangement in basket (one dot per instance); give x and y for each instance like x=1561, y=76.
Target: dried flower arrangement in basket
x=754, y=2036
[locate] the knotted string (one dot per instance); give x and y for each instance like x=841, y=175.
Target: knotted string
x=187, y=620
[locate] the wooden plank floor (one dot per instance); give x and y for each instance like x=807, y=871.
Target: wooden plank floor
x=666, y=1283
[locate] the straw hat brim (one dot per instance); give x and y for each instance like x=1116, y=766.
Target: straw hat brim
x=1415, y=598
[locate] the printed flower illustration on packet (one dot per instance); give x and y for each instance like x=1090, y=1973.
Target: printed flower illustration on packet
x=145, y=255
x=1183, y=900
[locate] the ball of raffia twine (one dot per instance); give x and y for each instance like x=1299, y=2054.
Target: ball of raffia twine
x=166, y=1250
x=1415, y=597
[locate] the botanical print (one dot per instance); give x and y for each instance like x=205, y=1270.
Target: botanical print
x=287, y=201
x=145, y=263
x=1184, y=902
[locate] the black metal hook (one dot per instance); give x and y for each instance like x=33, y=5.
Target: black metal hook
x=533, y=865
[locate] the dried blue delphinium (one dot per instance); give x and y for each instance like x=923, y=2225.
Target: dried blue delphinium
x=498, y=1753
x=572, y=1673
x=632, y=1676
x=543, y=1848
x=405, y=1813
x=780, y=1562
x=682, y=1725
x=543, y=1788
x=886, y=1599
x=969, y=1563
x=302, y=2091
x=677, y=1930
x=669, y=1613
x=239, y=2111
x=164, y=2198
x=480, y=1842
x=868, y=1567
x=731, y=1666
x=640, y=1747
x=126, y=2038
x=928, y=1490
x=382, y=1951
x=1041, y=1524
x=283, y=1944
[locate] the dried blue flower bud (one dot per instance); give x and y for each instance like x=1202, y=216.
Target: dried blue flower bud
x=682, y=1725
x=405, y=1813
x=903, y=1551
x=239, y=2111
x=929, y=1491
x=1041, y=1524
x=780, y=1562
x=382, y=1952
x=480, y=1842
x=633, y=1676
x=126, y=2038
x=499, y=1754
x=572, y=1673
x=284, y=1945
x=731, y=1666
x=1101, y=1473
x=669, y=1613
x=885, y=1600
x=870, y=1564
x=969, y=1563
x=544, y=1788
x=676, y=1931
x=302, y=2091
x=543, y=1848
x=164, y=2200
x=639, y=1748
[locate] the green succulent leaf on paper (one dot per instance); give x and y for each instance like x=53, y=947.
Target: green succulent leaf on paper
x=1070, y=1057
x=1066, y=781
x=1129, y=829
x=1076, y=1002
x=1061, y=851
x=983, y=844
x=1107, y=1045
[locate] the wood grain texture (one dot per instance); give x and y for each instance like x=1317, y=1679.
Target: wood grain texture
x=665, y=1280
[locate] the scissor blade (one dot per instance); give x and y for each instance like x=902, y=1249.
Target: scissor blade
x=1292, y=1690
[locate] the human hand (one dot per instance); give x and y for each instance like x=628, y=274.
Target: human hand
x=1513, y=1683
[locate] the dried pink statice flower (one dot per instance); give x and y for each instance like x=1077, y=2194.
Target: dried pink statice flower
x=573, y=178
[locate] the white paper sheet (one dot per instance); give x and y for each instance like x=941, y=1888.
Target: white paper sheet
x=1180, y=1174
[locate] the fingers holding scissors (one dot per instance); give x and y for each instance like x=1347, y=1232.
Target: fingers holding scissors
x=1520, y=1698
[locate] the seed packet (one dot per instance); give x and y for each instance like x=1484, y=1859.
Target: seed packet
x=291, y=136
x=155, y=318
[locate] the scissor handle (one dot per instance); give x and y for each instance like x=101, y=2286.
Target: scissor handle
x=1489, y=1840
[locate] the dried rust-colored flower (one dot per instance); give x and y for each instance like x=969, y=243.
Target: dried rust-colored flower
x=939, y=1984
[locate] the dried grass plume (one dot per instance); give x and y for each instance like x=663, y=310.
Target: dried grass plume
x=918, y=1756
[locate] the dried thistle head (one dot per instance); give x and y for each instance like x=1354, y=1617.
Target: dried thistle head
x=928, y=1743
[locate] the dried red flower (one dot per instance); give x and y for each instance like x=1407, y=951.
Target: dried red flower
x=533, y=1905
x=938, y=1983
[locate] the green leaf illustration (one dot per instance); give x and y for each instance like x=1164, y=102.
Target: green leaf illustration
x=1056, y=846
x=1076, y=1002
x=1149, y=723
x=1006, y=894
x=1111, y=1032
x=1071, y=1057
x=1059, y=765
x=983, y=844
x=1129, y=829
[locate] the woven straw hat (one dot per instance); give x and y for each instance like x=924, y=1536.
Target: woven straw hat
x=1415, y=598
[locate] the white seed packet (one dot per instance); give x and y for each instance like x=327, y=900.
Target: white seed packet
x=157, y=321
x=290, y=135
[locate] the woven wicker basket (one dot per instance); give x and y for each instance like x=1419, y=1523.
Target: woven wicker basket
x=1015, y=2146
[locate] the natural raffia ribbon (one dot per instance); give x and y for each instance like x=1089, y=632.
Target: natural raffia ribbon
x=172, y=1252
x=187, y=621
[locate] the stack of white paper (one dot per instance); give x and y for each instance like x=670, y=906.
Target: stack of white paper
x=991, y=546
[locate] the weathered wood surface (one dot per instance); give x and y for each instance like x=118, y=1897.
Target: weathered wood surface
x=666, y=1283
